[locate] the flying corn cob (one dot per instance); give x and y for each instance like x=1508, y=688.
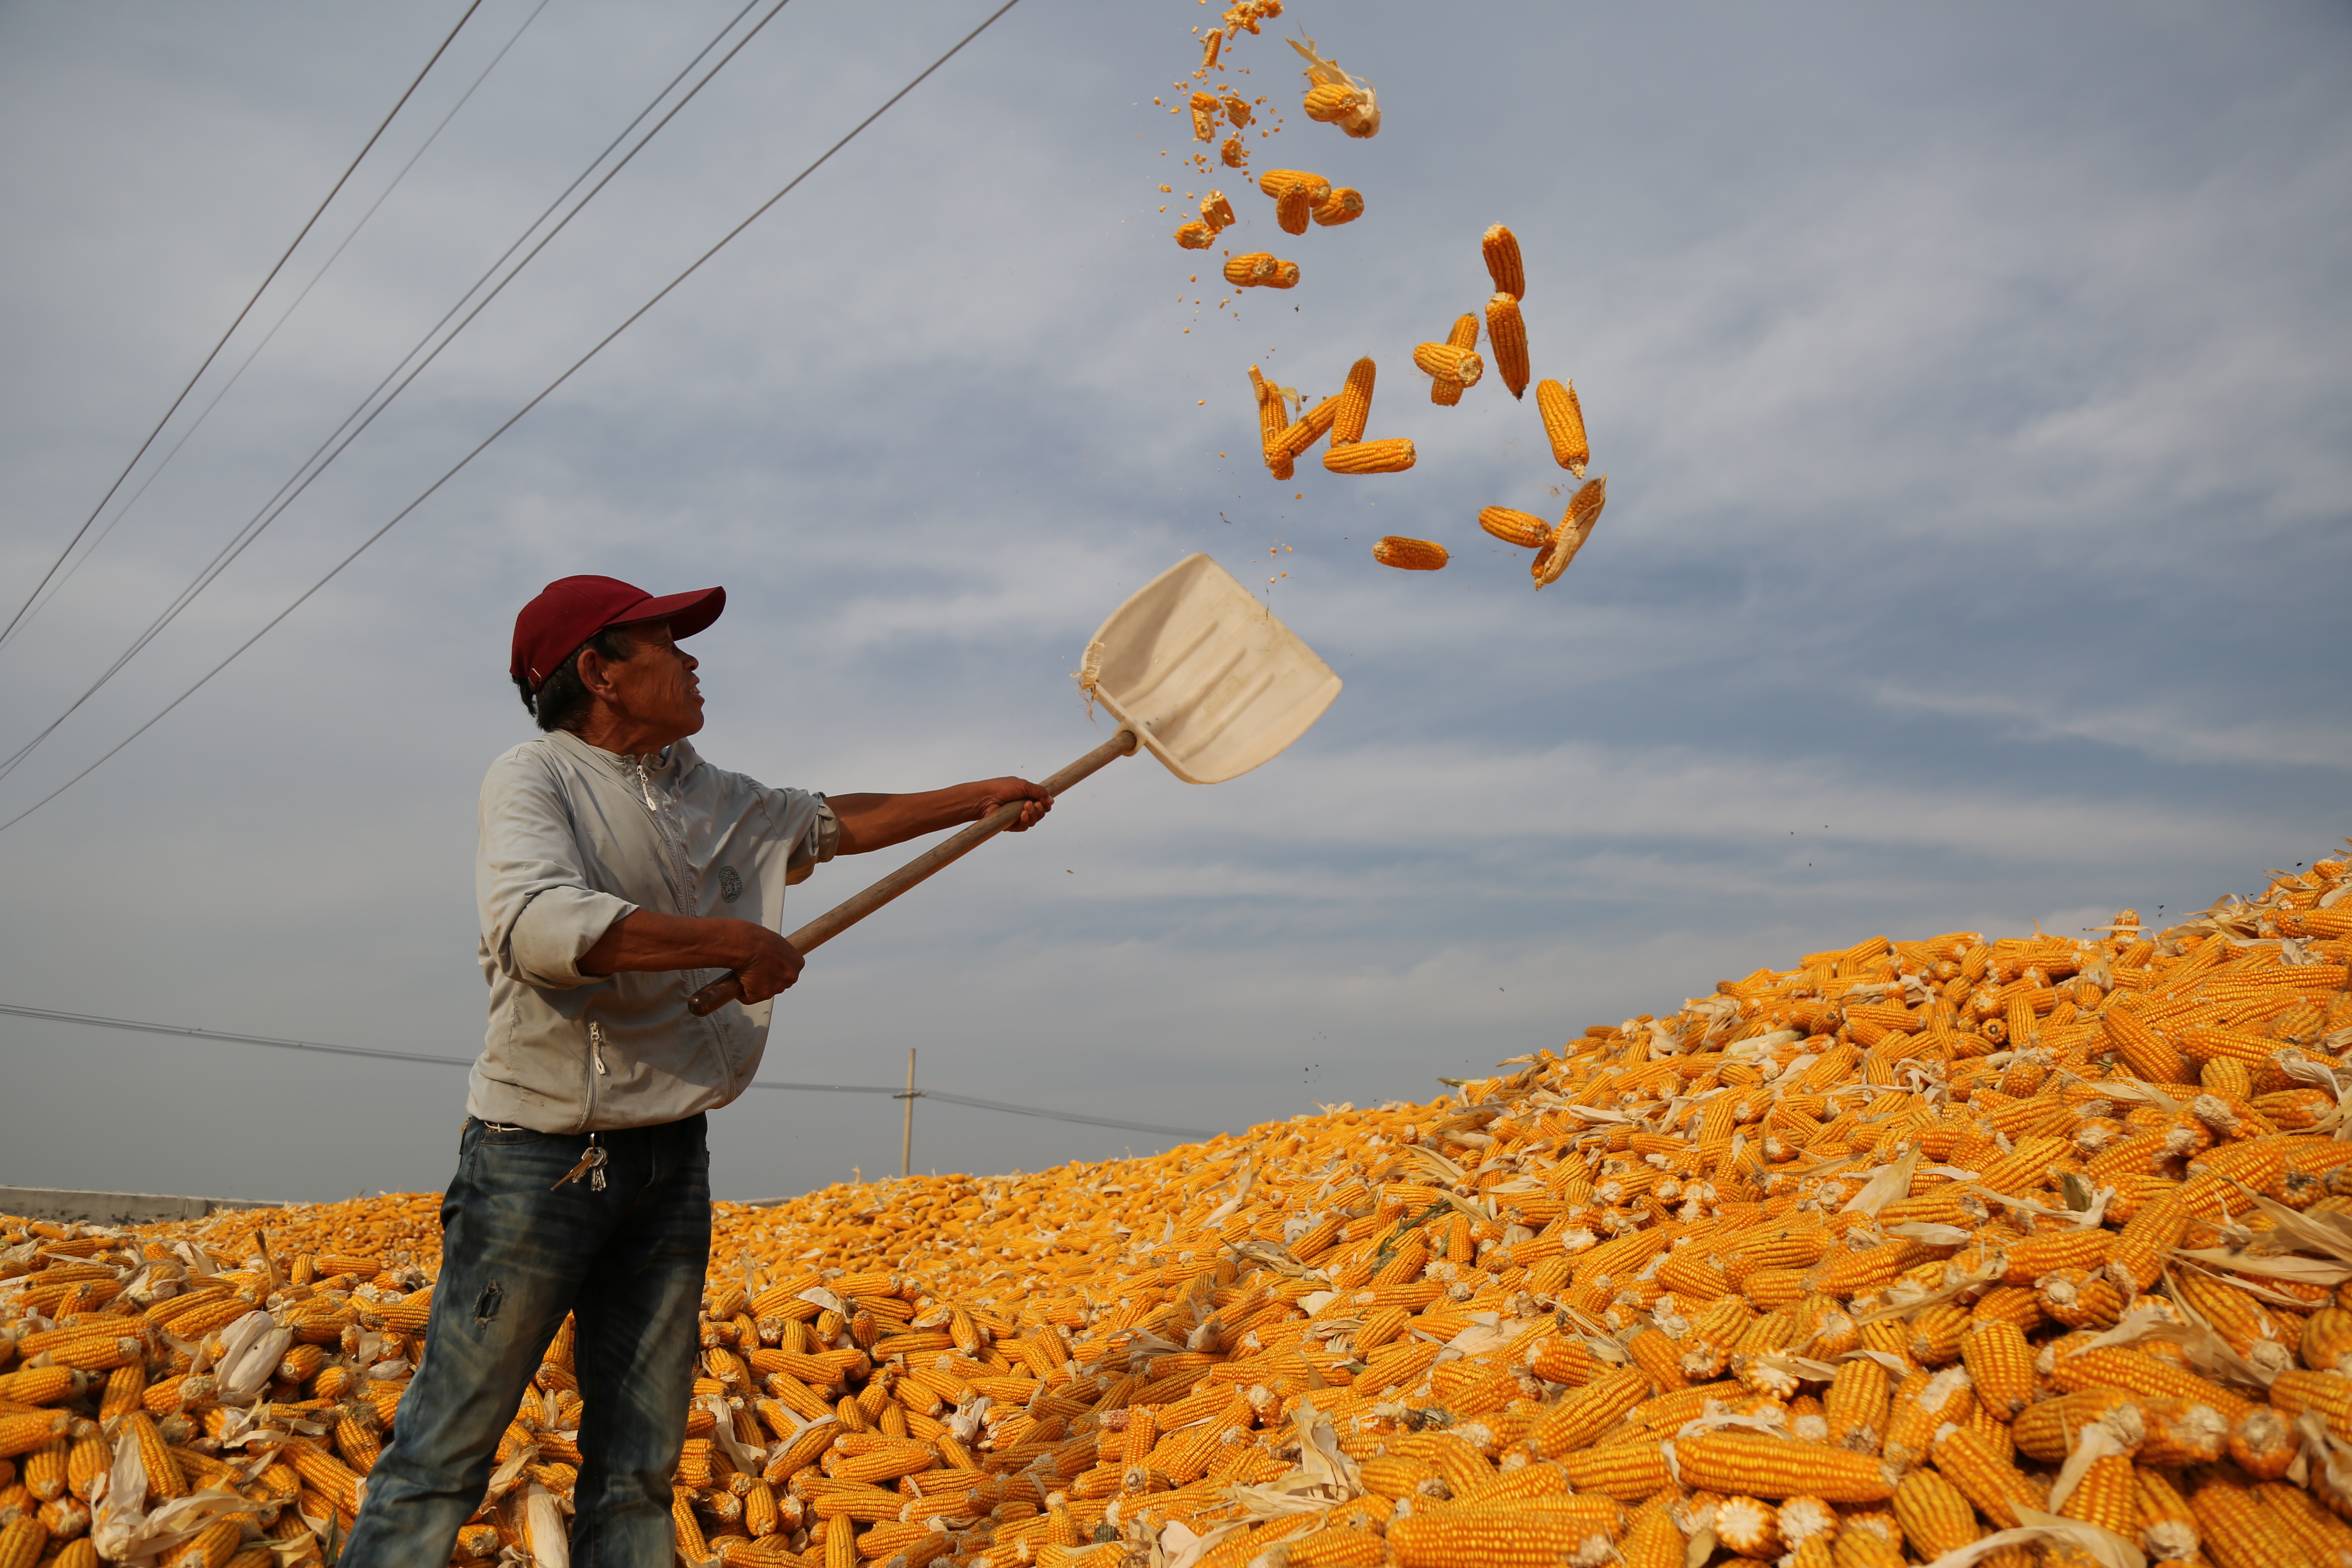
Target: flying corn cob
x=1446, y=363
x=1507, y=334
x=1344, y=204
x=1502, y=252
x=1355, y=405
x=1216, y=210
x=1348, y=101
x=1445, y=390
x=1394, y=455
x=1563, y=421
x=1575, y=528
x=1408, y=554
x=1195, y=235
x=1234, y=153
x=1251, y=269
x=1520, y=527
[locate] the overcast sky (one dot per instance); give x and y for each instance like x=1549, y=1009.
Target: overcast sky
x=1975, y=387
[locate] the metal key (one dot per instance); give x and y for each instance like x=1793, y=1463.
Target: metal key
x=591, y=1165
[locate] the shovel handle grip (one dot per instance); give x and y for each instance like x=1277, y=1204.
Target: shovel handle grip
x=842, y=916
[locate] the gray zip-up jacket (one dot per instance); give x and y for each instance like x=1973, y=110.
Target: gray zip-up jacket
x=573, y=838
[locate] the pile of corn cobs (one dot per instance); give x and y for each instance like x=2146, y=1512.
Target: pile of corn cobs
x=2015, y=1250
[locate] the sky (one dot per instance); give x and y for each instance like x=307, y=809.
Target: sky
x=1975, y=387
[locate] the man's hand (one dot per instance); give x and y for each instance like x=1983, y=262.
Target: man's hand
x=769, y=965
x=870, y=822
x=1000, y=791
x=643, y=940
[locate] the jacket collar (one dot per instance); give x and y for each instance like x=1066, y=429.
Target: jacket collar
x=676, y=760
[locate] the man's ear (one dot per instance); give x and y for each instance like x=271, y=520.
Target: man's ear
x=593, y=676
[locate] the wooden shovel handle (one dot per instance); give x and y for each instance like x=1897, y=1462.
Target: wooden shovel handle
x=842, y=916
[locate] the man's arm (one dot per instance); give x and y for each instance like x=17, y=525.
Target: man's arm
x=642, y=939
x=870, y=822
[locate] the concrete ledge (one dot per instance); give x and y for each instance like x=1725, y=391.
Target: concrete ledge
x=114, y=1208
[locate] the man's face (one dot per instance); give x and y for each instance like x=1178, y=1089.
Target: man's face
x=655, y=686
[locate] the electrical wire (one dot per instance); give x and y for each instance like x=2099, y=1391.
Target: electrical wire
x=513, y=419
x=244, y=364
x=313, y=467
x=138, y=1026
x=12, y=620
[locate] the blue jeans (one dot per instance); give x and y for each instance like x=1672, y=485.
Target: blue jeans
x=516, y=1255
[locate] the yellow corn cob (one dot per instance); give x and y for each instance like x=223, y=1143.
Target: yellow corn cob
x=1652, y=1541
x=1251, y=269
x=2028, y=1258
x=1856, y=1406
x=165, y=1482
x=1236, y=107
x=1329, y=101
x=2105, y=1496
x=2327, y=1341
x=1355, y=405
x=1508, y=332
x=211, y=1547
x=88, y=1459
x=1216, y=210
x=1307, y=429
x=44, y=1469
x=1592, y=1410
x=24, y=1432
x=1234, y=153
x=1523, y=529
x=1344, y=204
x=887, y=1464
x=2000, y=1365
x=1770, y=1467
x=1563, y=422
x=2116, y=1367
x=840, y=1544
x=1293, y=209
x=42, y=1386
x=1913, y=1422
x=1749, y=1527
x=2167, y=1525
x=1934, y=1512
x=2323, y=1537
x=1997, y=1488
x=1501, y=251
x=1448, y=362
x=1936, y=1333
x=1568, y=539
x=1475, y=1539
x=22, y=1542
x=1277, y=182
x=82, y=1553
x=1626, y=1471
x=1394, y=455
x=2239, y=1531
x=1195, y=235
x=1861, y=1548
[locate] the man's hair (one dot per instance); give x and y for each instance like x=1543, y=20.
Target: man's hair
x=562, y=700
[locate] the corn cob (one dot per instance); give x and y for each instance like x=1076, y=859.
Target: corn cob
x=1508, y=332
x=1567, y=540
x=1446, y=363
x=22, y=1542
x=1344, y=204
x=1392, y=455
x=1355, y=405
x=1563, y=421
x=1502, y=252
x=1195, y=235
x=1770, y=1467
x=1523, y=529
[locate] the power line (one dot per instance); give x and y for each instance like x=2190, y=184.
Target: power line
x=310, y=468
x=183, y=398
x=283, y=316
x=140, y=1025
x=513, y=419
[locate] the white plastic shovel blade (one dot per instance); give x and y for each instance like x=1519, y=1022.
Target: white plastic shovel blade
x=1205, y=676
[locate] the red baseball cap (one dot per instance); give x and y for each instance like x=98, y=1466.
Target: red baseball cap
x=570, y=610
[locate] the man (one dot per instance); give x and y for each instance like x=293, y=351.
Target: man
x=617, y=874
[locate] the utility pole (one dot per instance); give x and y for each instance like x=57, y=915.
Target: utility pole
x=906, y=1139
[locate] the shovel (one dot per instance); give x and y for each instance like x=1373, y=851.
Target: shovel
x=1193, y=668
